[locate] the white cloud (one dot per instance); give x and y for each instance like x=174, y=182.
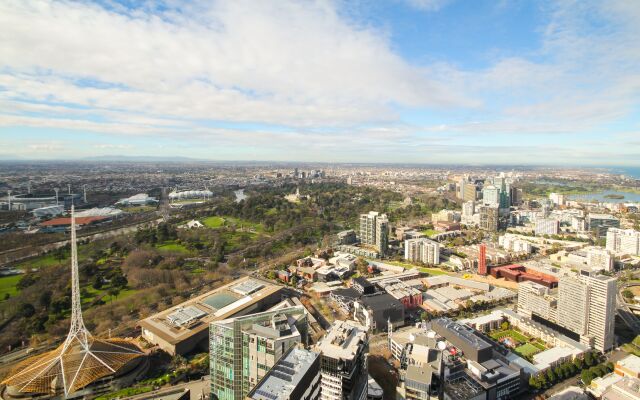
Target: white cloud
x=428, y=5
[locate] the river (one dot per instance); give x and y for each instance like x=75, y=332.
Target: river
x=629, y=197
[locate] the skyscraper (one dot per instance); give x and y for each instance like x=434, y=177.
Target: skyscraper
x=489, y=218
x=343, y=362
x=374, y=231
x=482, y=259
x=243, y=349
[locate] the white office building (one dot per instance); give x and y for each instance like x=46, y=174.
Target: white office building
x=547, y=226
x=599, y=259
x=623, y=241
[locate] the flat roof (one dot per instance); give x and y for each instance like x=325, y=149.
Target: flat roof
x=631, y=362
x=284, y=376
x=342, y=340
x=159, y=324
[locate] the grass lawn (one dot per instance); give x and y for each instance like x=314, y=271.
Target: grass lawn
x=213, y=222
x=173, y=247
x=497, y=335
x=8, y=285
x=433, y=271
x=138, y=209
x=631, y=349
x=429, y=232
x=40, y=262
x=526, y=350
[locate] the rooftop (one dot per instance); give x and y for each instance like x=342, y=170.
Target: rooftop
x=284, y=375
x=343, y=340
x=218, y=304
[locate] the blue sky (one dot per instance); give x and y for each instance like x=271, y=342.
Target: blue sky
x=424, y=81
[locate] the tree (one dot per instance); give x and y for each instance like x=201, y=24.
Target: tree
x=589, y=360
x=271, y=274
x=504, y=325
x=551, y=376
x=114, y=292
x=97, y=282
x=45, y=299
x=119, y=281
x=627, y=294
x=587, y=376
x=578, y=363
x=534, y=382
x=294, y=280
x=26, y=310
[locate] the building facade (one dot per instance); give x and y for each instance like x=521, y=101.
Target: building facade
x=343, y=362
x=374, y=231
x=422, y=250
x=243, y=349
x=624, y=241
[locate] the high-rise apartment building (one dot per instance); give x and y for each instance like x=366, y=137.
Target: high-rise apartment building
x=343, y=362
x=468, y=208
x=243, y=349
x=489, y=218
x=491, y=196
x=516, y=196
x=296, y=376
x=482, y=259
x=602, y=309
x=422, y=250
x=535, y=299
x=573, y=304
x=584, y=310
x=466, y=190
x=374, y=231
x=625, y=241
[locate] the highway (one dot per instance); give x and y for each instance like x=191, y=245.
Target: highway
x=629, y=318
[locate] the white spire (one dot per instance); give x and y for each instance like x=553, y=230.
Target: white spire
x=78, y=330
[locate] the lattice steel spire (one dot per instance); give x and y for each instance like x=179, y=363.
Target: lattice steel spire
x=81, y=359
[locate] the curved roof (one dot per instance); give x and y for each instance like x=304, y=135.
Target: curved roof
x=72, y=366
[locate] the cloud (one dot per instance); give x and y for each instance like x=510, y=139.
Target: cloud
x=276, y=74
x=428, y=5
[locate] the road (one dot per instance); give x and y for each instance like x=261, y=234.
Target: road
x=628, y=317
x=199, y=389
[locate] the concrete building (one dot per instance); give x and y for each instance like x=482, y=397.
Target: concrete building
x=547, y=226
x=374, y=231
x=489, y=218
x=623, y=241
x=515, y=243
x=558, y=199
x=243, y=349
x=584, y=310
x=599, y=259
x=376, y=311
x=534, y=298
x=296, y=376
x=599, y=224
x=491, y=196
x=343, y=362
x=185, y=327
x=422, y=250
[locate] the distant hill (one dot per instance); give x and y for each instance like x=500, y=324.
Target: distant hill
x=141, y=158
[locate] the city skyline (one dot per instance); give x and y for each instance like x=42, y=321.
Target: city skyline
x=403, y=81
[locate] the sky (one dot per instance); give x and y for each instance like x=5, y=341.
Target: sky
x=407, y=81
